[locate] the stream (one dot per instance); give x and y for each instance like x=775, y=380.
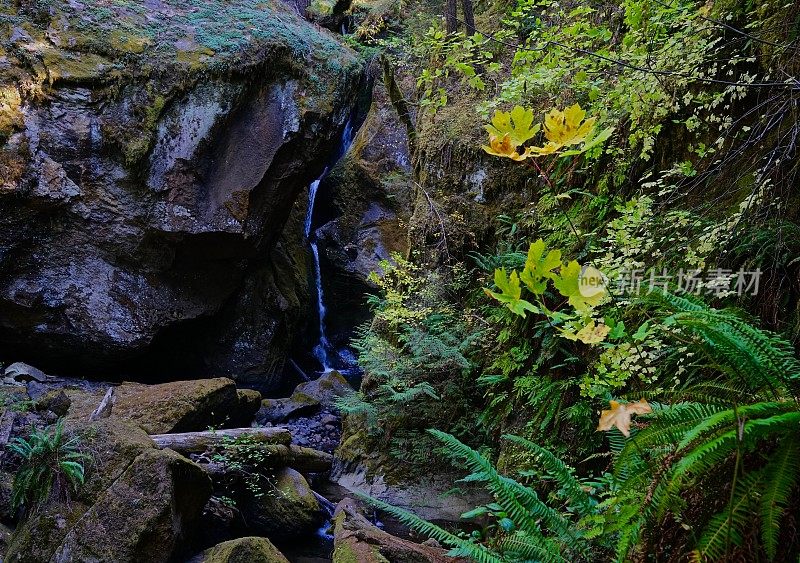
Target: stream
x=318, y=548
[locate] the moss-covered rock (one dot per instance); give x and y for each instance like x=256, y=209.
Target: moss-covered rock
x=178, y=406
x=243, y=550
x=136, y=505
x=143, y=515
x=286, y=508
x=152, y=179
x=325, y=389
x=249, y=403
x=306, y=399
x=357, y=540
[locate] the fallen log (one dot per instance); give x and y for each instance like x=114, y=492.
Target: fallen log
x=198, y=442
x=304, y=460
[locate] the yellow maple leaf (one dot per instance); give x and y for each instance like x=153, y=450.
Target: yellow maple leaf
x=619, y=415
x=564, y=128
x=517, y=125
x=567, y=127
x=504, y=147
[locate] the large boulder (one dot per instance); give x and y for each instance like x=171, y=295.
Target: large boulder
x=306, y=399
x=242, y=550
x=286, y=508
x=137, y=504
x=178, y=406
x=150, y=161
x=357, y=540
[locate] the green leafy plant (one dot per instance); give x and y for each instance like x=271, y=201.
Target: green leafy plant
x=529, y=528
x=740, y=403
x=52, y=466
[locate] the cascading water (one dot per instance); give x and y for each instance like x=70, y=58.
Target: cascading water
x=323, y=350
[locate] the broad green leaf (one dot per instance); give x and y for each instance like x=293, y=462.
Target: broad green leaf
x=539, y=267
x=510, y=293
x=568, y=284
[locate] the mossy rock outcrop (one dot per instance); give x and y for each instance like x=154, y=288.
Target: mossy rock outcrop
x=287, y=507
x=136, y=505
x=150, y=161
x=178, y=406
x=243, y=550
x=306, y=399
x=357, y=540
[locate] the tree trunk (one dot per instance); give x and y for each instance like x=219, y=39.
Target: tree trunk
x=304, y=460
x=469, y=16
x=199, y=442
x=451, y=16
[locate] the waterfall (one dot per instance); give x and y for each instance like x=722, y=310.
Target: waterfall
x=322, y=350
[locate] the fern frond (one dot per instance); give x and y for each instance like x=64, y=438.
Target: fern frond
x=780, y=480
x=576, y=495
x=477, y=552
x=727, y=526
x=524, y=547
x=522, y=504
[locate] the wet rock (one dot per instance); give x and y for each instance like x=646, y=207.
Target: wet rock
x=136, y=505
x=306, y=400
x=179, y=406
x=274, y=411
x=242, y=550
x=286, y=509
x=356, y=539
x=368, y=196
x=325, y=390
x=147, y=224
x=21, y=372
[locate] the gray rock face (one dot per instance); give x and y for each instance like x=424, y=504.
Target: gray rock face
x=145, y=213
x=370, y=194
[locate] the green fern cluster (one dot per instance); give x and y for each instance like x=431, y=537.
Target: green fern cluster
x=738, y=415
x=52, y=465
x=536, y=530
x=736, y=418
x=412, y=363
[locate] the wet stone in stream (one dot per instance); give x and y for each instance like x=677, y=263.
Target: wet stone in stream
x=321, y=431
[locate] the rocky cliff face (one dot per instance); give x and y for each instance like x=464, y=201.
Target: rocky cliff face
x=365, y=206
x=149, y=163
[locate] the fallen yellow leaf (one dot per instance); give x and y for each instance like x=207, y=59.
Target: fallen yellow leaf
x=619, y=415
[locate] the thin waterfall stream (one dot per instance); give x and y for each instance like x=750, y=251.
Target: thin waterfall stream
x=323, y=350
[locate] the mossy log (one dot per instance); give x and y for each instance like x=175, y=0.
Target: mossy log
x=303, y=460
x=199, y=442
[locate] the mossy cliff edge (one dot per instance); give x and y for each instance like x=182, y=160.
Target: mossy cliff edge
x=150, y=159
